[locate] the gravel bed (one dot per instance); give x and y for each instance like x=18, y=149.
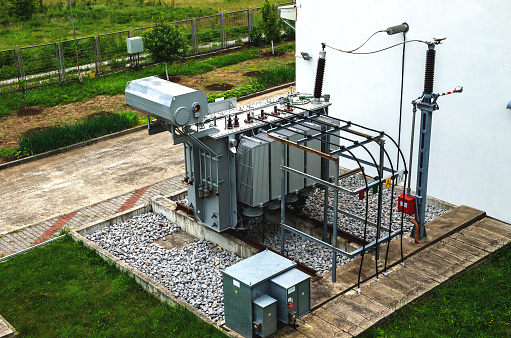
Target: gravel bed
x=316, y=256
x=296, y=247
x=192, y=273
x=314, y=208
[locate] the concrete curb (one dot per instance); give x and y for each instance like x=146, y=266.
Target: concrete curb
x=71, y=147
x=114, y=135
x=142, y=279
x=6, y=329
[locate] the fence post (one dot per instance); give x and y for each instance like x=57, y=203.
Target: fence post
x=62, y=62
x=195, y=41
x=22, y=67
x=223, y=33
x=18, y=68
x=250, y=23
x=98, y=51
x=57, y=59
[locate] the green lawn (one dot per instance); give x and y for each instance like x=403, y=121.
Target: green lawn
x=52, y=20
x=478, y=304
x=66, y=290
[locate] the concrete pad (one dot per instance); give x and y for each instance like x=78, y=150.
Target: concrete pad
x=6, y=329
x=459, y=245
x=314, y=326
x=344, y=312
x=382, y=294
x=39, y=190
x=334, y=319
x=495, y=226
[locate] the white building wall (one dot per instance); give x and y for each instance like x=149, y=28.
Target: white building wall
x=470, y=158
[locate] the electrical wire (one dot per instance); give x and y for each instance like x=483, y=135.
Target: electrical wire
x=376, y=51
x=362, y=45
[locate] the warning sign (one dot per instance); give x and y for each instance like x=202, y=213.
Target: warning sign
x=388, y=182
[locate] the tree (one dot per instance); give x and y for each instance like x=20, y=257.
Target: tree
x=270, y=22
x=23, y=9
x=165, y=42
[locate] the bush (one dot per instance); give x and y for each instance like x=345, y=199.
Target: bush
x=23, y=9
x=68, y=134
x=165, y=42
x=270, y=23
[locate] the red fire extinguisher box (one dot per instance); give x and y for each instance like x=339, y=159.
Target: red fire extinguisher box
x=408, y=204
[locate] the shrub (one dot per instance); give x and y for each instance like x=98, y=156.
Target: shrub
x=270, y=23
x=165, y=42
x=67, y=134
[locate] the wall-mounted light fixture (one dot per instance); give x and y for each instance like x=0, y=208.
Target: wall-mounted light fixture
x=509, y=105
x=306, y=56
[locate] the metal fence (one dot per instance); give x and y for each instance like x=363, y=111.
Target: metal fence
x=28, y=67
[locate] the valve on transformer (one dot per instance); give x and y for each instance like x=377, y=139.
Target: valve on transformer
x=190, y=181
x=206, y=191
x=185, y=179
x=201, y=191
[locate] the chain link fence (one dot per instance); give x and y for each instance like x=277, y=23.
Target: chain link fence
x=27, y=67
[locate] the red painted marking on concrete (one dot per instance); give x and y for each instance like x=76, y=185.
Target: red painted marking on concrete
x=132, y=200
x=48, y=234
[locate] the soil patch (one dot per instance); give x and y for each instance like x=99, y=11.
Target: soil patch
x=252, y=74
x=14, y=126
x=275, y=54
x=101, y=113
x=171, y=78
x=34, y=130
x=176, y=240
x=28, y=111
x=219, y=87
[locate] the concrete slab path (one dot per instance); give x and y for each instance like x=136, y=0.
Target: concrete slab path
x=84, y=184
x=457, y=241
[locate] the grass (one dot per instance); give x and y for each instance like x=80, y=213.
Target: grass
x=68, y=134
x=478, y=304
x=52, y=20
x=268, y=78
x=66, y=290
x=112, y=84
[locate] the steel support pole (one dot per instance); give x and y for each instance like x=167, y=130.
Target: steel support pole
x=334, y=225
x=282, y=196
x=325, y=167
x=380, y=198
x=423, y=166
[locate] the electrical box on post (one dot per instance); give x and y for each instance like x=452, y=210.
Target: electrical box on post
x=408, y=204
x=135, y=45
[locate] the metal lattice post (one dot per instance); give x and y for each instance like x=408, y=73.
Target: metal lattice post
x=380, y=198
x=423, y=168
x=427, y=106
